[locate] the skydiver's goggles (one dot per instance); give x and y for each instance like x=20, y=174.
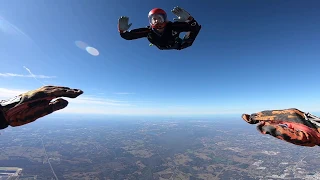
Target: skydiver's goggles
x=157, y=20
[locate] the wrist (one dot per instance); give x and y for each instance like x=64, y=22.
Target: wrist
x=121, y=31
x=189, y=19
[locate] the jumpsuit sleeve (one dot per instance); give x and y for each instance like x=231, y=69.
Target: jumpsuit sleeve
x=135, y=33
x=191, y=27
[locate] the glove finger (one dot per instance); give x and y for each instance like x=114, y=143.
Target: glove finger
x=248, y=119
x=177, y=7
x=292, y=115
x=122, y=20
x=179, y=10
x=126, y=20
x=174, y=10
x=185, y=12
x=178, y=20
x=27, y=114
x=51, y=92
x=56, y=105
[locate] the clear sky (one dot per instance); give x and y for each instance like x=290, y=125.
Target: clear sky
x=249, y=56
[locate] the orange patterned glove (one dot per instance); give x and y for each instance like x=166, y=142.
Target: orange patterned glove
x=32, y=105
x=291, y=125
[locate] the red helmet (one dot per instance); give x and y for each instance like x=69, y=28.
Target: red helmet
x=157, y=18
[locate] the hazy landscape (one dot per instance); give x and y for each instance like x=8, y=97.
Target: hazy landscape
x=150, y=148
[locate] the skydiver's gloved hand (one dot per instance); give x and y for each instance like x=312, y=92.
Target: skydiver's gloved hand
x=123, y=24
x=182, y=14
x=291, y=125
x=28, y=107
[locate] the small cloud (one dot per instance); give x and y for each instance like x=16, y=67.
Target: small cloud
x=26, y=76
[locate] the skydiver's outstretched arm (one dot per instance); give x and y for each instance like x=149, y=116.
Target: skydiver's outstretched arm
x=290, y=125
x=135, y=33
x=123, y=28
x=185, y=23
x=32, y=105
x=191, y=27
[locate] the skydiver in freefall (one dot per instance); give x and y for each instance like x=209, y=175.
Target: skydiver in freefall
x=161, y=32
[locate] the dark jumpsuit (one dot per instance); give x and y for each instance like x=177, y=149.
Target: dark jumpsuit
x=169, y=38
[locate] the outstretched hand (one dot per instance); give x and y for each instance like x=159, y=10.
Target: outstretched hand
x=291, y=125
x=123, y=24
x=32, y=105
x=182, y=14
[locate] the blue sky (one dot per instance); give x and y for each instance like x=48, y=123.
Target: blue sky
x=249, y=56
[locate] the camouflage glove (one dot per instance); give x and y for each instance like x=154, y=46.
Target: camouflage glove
x=291, y=125
x=28, y=107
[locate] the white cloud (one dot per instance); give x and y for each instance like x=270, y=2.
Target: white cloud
x=9, y=93
x=26, y=76
x=86, y=104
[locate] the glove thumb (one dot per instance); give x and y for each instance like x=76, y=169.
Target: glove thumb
x=177, y=20
x=266, y=128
